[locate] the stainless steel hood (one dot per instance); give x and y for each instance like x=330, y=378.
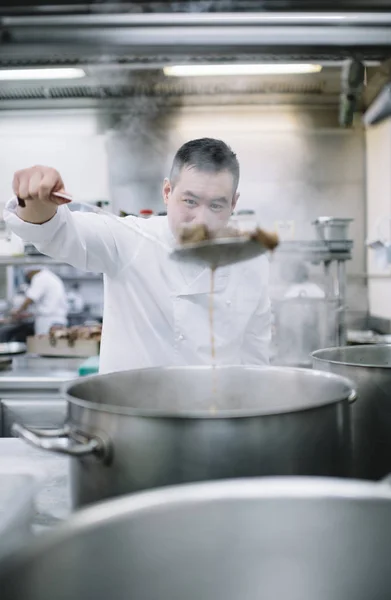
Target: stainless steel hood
x=198, y=35
x=123, y=46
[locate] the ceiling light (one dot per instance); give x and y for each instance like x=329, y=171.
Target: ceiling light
x=233, y=69
x=36, y=74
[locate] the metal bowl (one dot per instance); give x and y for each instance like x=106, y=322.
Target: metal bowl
x=12, y=348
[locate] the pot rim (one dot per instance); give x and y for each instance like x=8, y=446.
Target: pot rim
x=294, y=489
x=314, y=355
x=220, y=413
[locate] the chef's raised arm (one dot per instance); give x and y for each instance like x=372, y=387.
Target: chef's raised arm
x=88, y=241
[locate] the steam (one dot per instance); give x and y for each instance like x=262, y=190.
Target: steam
x=137, y=146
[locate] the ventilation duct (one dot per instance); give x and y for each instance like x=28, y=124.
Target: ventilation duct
x=380, y=108
x=352, y=82
x=198, y=34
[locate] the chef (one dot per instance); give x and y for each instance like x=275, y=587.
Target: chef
x=47, y=293
x=156, y=310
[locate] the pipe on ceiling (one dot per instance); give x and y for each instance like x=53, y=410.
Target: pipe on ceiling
x=380, y=109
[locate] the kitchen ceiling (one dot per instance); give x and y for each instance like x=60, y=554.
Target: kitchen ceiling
x=124, y=45
x=94, y=6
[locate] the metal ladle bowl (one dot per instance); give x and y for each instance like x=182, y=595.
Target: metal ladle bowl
x=220, y=252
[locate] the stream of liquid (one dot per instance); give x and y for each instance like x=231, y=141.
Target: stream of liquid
x=212, y=339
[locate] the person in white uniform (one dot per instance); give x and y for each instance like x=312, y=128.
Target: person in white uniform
x=156, y=310
x=47, y=292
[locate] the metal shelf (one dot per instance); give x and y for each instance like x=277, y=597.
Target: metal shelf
x=85, y=277
x=29, y=260
x=317, y=251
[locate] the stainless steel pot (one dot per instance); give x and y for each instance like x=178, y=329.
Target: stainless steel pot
x=143, y=429
x=332, y=229
x=370, y=369
x=291, y=539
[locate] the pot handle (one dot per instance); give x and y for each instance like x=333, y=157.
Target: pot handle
x=53, y=441
x=352, y=397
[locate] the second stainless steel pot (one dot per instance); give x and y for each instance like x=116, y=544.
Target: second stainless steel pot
x=369, y=367
x=143, y=429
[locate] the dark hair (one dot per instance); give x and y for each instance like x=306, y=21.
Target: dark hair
x=205, y=154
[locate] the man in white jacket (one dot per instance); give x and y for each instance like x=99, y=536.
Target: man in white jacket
x=47, y=293
x=155, y=309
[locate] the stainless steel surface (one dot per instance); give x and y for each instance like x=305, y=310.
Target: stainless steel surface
x=176, y=425
x=341, y=296
x=53, y=440
x=43, y=412
x=31, y=373
x=198, y=33
x=5, y=363
x=208, y=18
x=12, y=348
x=52, y=502
x=218, y=253
x=369, y=367
x=331, y=229
x=293, y=539
x=316, y=251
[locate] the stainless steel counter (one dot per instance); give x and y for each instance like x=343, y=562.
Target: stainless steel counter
x=32, y=391
x=34, y=372
x=53, y=500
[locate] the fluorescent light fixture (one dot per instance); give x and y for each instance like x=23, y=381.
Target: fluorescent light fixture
x=40, y=74
x=247, y=69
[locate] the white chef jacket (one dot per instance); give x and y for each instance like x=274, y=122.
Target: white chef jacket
x=47, y=292
x=156, y=310
x=305, y=290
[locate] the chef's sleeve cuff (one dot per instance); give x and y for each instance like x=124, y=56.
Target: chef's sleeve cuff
x=31, y=232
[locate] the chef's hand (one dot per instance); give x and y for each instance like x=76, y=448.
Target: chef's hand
x=35, y=186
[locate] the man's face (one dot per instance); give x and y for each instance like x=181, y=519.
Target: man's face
x=200, y=197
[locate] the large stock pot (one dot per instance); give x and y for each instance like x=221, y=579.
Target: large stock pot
x=148, y=428
x=269, y=539
x=369, y=367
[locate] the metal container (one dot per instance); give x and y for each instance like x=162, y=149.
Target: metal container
x=293, y=539
x=16, y=507
x=303, y=325
x=148, y=428
x=331, y=229
x=369, y=367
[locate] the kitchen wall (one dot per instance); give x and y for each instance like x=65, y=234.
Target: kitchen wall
x=70, y=141
x=296, y=163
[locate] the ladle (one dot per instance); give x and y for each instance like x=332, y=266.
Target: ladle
x=211, y=253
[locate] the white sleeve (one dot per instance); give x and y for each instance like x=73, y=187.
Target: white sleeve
x=257, y=337
x=88, y=241
x=36, y=289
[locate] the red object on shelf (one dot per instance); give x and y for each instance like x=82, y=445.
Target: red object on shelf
x=146, y=212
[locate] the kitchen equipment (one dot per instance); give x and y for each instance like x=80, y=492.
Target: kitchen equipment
x=370, y=369
x=290, y=538
x=5, y=363
x=16, y=506
x=147, y=428
x=12, y=349
x=219, y=252
x=303, y=325
x=331, y=229
x=212, y=253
